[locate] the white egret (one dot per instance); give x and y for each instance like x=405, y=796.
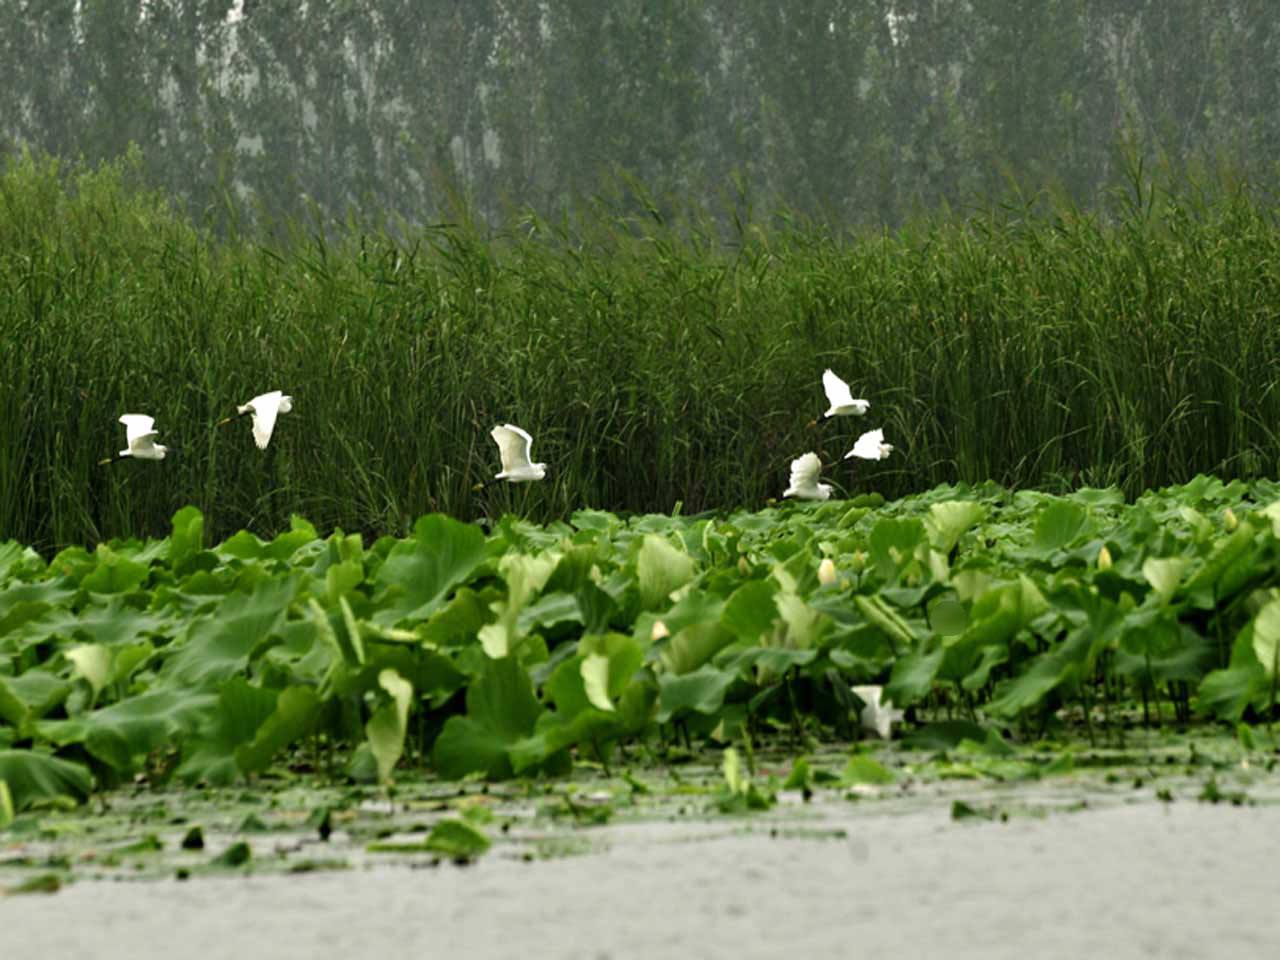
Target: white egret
x=804, y=479
x=514, y=445
x=877, y=715
x=140, y=435
x=841, y=398
x=870, y=446
x=264, y=408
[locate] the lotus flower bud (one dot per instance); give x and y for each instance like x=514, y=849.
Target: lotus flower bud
x=1104, y=558
x=826, y=572
x=659, y=631
x=744, y=568
x=859, y=561
x=1229, y=520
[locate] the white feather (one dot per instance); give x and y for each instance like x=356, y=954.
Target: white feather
x=804, y=483
x=840, y=398
x=515, y=447
x=265, y=408
x=870, y=446
x=140, y=435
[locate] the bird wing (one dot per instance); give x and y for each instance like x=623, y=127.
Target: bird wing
x=838, y=392
x=265, y=407
x=867, y=446
x=804, y=471
x=143, y=444
x=138, y=426
x=514, y=446
x=264, y=422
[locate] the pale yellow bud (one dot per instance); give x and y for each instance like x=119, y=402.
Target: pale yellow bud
x=744, y=568
x=659, y=631
x=1229, y=520
x=826, y=571
x=1104, y=558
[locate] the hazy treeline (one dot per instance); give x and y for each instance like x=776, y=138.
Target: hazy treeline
x=861, y=111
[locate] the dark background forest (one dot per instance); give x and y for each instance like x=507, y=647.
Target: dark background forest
x=855, y=112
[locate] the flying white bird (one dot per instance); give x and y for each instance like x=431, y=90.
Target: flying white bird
x=877, y=715
x=870, y=446
x=841, y=398
x=264, y=407
x=514, y=445
x=141, y=436
x=804, y=479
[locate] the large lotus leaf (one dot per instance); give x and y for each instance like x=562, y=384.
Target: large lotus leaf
x=501, y=709
x=242, y=710
x=114, y=573
x=624, y=655
x=913, y=674
x=701, y=691
x=579, y=689
x=419, y=573
x=695, y=608
x=1058, y=524
x=549, y=610
x=750, y=612
x=566, y=688
x=1228, y=565
x=893, y=542
x=661, y=568
x=805, y=626
x=1164, y=574
x=92, y=661
x=596, y=608
x=769, y=662
x=17, y=561
x=947, y=522
x=546, y=749
x=459, y=621
x=22, y=602
x=525, y=574
x=456, y=838
x=1029, y=689
x=125, y=732
x=29, y=696
x=297, y=709
x=1266, y=637
x=694, y=646
x=245, y=546
x=595, y=681
x=1000, y=612
x=34, y=779
x=467, y=746
x=387, y=726
x=899, y=633
x=1226, y=694
x=219, y=645
x=109, y=624
x=187, y=538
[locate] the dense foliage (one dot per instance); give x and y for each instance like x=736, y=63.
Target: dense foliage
x=655, y=363
x=508, y=653
x=864, y=111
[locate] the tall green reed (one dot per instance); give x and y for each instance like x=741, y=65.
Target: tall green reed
x=655, y=363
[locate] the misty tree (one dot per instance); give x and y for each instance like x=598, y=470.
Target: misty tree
x=851, y=111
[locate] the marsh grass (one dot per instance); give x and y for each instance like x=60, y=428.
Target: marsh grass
x=655, y=363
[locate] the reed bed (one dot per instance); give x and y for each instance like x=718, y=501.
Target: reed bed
x=659, y=365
